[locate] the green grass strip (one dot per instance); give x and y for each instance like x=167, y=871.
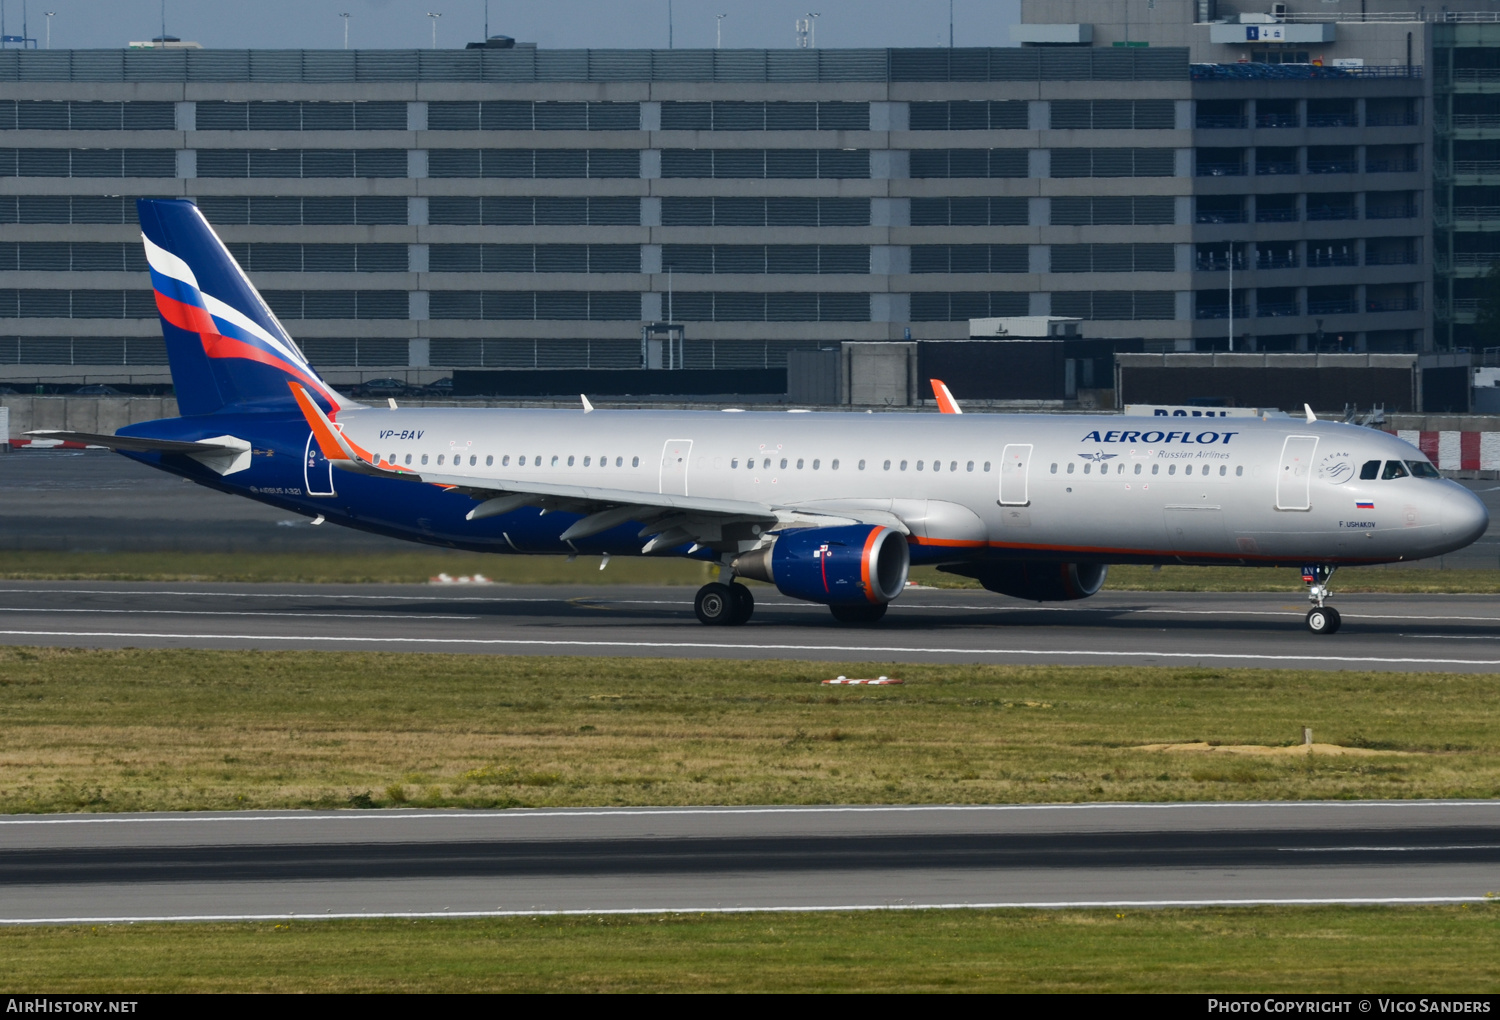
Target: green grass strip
x=1361, y=951
x=191, y=730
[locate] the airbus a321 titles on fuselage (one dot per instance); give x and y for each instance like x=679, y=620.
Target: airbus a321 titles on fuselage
x=832, y=508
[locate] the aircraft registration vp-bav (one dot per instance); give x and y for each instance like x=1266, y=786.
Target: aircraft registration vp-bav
x=830, y=508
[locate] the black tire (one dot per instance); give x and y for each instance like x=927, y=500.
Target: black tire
x=714, y=604
x=858, y=614
x=1323, y=620
x=744, y=605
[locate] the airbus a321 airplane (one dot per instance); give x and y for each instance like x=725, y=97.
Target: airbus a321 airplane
x=830, y=508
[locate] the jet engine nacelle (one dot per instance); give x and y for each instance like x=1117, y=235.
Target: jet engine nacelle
x=1038, y=581
x=847, y=566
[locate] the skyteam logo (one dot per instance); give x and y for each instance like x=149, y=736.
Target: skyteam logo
x=225, y=331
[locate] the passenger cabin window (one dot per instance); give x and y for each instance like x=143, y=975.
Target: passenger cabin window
x=986, y=465
x=799, y=463
x=833, y=465
x=887, y=465
x=903, y=465
x=408, y=458
x=424, y=458
x=489, y=461
x=1138, y=469
x=1370, y=470
x=1393, y=469
x=1223, y=470
x=783, y=462
x=1422, y=469
x=1171, y=469
x=634, y=461
x=1240, y=470
x=1070, y=467
x=1155, y=469
x=815, y=464
x=971, y=467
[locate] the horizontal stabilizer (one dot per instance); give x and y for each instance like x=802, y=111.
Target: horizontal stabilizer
x=223, y=454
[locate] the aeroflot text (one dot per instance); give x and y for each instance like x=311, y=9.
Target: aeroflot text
x=1156, y=436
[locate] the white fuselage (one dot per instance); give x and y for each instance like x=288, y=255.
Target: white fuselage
x=1102, y=488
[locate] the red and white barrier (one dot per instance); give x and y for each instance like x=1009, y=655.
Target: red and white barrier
x=1457, y=451
x=53, y=444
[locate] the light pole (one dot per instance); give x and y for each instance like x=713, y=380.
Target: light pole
x=346, y=30
x=434, y=17
x=719, y=30
x=812, y=31
x=669, y=24
x=49, y=15
x=950, y=24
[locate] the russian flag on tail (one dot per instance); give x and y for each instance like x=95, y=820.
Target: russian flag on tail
x=225, y=345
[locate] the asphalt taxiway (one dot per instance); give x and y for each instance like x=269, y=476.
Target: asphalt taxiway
x=1385, y=632
x=98, y=868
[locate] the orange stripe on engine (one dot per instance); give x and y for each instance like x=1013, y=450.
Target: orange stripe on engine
x=864, y=564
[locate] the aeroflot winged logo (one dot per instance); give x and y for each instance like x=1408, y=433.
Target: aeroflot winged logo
x=1097, y=457
x=225, y=331
x=1190, y=438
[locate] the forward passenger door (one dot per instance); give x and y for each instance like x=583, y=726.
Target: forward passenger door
x=1294, y=475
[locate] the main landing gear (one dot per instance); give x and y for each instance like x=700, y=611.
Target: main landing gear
x=1321, y=619
x=723, y=605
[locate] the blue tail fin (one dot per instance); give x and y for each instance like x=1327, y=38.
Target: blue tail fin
x=225, y=347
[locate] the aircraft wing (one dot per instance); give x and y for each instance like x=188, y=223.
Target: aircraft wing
x=667, y=519
x=224, y=454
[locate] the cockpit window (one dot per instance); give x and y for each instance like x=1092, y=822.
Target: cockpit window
x=1393, y=469
x=1370, y=470
x=1423, y=469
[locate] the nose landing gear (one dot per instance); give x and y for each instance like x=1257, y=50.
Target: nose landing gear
x=1321, y=619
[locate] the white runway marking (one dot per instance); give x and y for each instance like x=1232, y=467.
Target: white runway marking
x=283, y=614
x=1297, y=657
x=1362, y=901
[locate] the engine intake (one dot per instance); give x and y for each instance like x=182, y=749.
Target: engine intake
x=1037, y=581
x=852, y=565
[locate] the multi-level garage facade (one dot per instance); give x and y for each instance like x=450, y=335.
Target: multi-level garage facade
x=519, y=208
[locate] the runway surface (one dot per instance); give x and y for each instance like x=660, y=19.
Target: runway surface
x=1385, y=632
x=94, y=868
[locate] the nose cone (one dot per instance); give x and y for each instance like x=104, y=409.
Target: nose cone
x=1464, y=517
